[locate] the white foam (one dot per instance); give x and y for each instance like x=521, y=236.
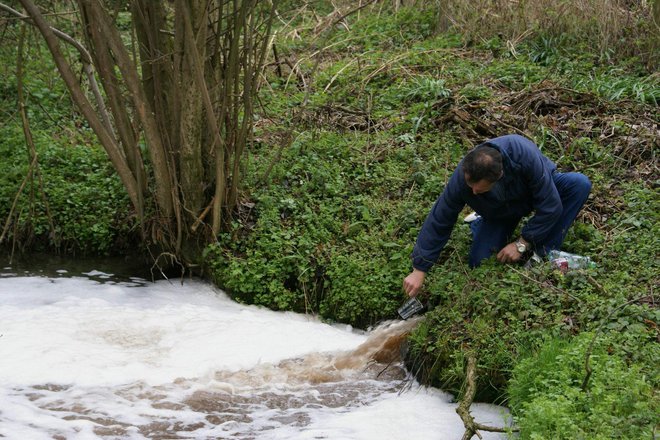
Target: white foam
x=97, y=334
x=87, y=360
x=420, y=413
x=98, y=273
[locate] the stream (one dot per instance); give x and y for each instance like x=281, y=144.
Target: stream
x=90, y=352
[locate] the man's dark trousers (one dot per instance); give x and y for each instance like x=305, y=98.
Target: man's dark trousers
x=490, y=237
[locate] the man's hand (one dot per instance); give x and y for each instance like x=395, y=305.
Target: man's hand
x=413, y=282
x=509, y=254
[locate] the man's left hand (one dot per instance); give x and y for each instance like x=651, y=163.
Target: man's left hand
x=509, y=254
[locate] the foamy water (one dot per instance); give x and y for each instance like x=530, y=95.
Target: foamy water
x=84, y=358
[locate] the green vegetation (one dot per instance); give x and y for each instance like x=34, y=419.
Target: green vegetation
x=547, y=391
x=86, y=202
x=71, y=200
x=359, y=126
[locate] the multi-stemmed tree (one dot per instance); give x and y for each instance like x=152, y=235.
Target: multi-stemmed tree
x=174, y=109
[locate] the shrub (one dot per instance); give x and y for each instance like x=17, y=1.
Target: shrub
x=360, y=287
x=548, y=401
x=605, y=27
x=87, y=203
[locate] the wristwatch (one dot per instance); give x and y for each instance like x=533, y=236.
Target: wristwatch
x=522, y=247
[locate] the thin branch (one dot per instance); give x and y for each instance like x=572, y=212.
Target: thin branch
x=18, y=194
x=173, y=259
x=85, y=58
x=351, y=12
x=29, y=140
x=201, y=217
x=463, y=410
x=107, y=139
x=549, y=286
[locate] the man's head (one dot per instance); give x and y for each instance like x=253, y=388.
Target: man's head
x=482, y=167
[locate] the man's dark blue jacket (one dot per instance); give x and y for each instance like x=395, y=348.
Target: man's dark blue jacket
x=526, y=186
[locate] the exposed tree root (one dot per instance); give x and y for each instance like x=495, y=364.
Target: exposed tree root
x=471, y=427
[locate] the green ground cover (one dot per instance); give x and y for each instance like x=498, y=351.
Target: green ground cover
x=71, y=201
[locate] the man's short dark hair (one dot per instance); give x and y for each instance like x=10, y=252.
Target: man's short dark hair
x=484, y=162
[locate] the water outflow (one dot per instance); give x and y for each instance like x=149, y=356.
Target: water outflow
x=86, y=357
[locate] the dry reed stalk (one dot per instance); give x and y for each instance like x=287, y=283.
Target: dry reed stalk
x=605, y=25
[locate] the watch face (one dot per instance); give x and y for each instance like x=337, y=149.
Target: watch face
x=521, y=248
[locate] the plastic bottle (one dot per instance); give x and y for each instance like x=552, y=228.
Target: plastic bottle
x=565, y=260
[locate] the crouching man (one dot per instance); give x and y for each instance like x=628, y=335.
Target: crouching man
x=502, y=180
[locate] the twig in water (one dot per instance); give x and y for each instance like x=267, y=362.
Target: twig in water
x=160, y=269
x=463, y=409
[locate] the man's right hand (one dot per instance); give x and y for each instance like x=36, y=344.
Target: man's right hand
x=413, y=282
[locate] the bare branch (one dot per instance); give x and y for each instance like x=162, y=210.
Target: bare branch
x=85, y=58
x=106, y=138
x=196, y=65
x=463, y=410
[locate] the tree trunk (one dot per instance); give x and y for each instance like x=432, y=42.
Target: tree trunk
x=164, y=185
x=193, y=34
